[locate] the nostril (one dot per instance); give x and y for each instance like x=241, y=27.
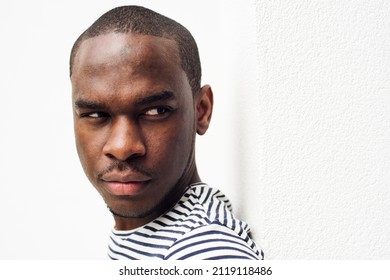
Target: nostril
x=110, y=156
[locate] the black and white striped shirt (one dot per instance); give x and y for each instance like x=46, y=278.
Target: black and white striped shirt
x=200, y=226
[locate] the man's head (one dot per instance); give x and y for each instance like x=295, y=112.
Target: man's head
x=140, y=20
x=137, y=107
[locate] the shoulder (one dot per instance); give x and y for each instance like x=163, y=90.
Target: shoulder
x=213, y=242
x=217, y=233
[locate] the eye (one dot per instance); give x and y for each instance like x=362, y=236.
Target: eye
x=158, y=111
x=94, y=115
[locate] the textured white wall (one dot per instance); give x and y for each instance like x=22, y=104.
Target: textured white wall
x=315, y=128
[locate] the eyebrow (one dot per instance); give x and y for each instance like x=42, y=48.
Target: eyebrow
x=92, y=105
x=85, y=104
x=160, y=96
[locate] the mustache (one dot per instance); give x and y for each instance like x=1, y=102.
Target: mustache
x=123, y=166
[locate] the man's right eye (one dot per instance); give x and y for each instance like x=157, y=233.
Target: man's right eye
x=94, y=115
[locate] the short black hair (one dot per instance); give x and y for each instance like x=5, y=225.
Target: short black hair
x=144, y=21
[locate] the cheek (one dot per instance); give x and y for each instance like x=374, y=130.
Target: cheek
x=88, y=147
x=171, y=147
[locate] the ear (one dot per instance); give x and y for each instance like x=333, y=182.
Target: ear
x=204, y=108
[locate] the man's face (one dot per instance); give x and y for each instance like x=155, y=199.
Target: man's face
x=134, y=121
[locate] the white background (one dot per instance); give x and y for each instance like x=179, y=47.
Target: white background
x=299, y=141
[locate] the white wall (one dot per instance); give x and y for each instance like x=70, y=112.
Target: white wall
x=299, y=139
x=320, y=174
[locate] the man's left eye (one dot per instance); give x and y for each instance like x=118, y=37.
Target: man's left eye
x=156, y=111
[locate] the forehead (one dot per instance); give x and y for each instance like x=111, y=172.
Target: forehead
x=118, y=64
x=126, y=50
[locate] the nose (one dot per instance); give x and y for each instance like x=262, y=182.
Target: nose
x=125, y=140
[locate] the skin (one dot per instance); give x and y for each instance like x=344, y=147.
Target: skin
x=135, y=121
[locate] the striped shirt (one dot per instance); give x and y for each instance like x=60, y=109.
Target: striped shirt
x=200, y=226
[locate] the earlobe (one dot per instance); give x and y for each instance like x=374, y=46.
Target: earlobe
x=204, y=109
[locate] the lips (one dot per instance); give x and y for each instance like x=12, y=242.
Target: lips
x=125, y=184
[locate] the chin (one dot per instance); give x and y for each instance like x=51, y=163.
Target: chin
x=133, y=212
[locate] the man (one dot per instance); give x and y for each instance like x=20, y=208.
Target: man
x=138, y=105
